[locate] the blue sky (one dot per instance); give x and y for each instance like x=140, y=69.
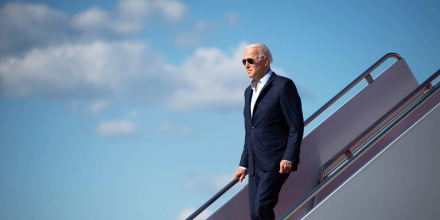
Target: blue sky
x=132, y=109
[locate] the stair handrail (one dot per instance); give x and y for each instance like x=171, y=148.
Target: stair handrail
x=364, y=75
x=328, y=180
x=213, y=199
x=422, y=86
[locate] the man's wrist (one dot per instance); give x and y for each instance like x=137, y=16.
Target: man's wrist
x=244, y=168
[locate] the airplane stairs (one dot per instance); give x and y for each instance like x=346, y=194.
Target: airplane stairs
x=375, y=157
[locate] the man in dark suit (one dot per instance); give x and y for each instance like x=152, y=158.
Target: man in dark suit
x=274, y=128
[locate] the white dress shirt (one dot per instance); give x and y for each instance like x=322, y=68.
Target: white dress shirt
x=256, y=92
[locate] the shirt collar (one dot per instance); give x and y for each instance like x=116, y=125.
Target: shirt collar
x=262, y=81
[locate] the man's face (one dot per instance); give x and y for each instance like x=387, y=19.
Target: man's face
x=258, y=69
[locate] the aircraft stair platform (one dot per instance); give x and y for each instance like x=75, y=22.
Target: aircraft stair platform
x=375, y=157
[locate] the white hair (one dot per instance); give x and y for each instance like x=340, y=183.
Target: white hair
x=262, y=50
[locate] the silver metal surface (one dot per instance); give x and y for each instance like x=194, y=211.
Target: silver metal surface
x=400, y=183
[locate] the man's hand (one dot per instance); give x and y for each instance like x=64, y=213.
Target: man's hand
x=240, y=173
x=285, y=167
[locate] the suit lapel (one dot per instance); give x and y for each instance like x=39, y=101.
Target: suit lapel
x=264, y=90
x=268, y=83
x=247, y=105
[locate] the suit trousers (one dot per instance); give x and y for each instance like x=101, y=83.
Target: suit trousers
x=264, y=188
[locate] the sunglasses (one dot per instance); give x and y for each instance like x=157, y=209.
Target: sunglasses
x=250, y=60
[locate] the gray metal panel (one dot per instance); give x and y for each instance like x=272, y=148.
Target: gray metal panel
x=402, y=182
x=363, y=110
x=330, y=137
x=383, y=142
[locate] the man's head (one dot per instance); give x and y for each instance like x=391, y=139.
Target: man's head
x=257, y=59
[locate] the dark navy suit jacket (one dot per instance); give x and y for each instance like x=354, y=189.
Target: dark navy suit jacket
x=275, y=130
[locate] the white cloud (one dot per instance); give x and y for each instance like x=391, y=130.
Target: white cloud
x=132, y=14
x=91, y=18
x=188, y=39
x=203, y=26
x=93, y=70
x=119, y=127
x=127, y=70
x=133, y=114
x=193, y=37
x=170, y=130
x=89, y=67
x=98, y=106
x=116, y=128
x=232, y=18
x=135, y=8
x=131, y=17
x=172, y=10
x=26, y=26
x=211, y=78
